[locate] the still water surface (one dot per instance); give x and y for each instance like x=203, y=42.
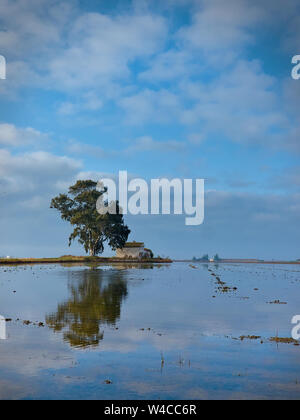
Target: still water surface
x=148, y=332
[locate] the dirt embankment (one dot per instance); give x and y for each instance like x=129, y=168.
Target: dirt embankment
x=74, y=259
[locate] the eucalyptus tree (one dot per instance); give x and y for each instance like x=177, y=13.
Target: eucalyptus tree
x=92, y=229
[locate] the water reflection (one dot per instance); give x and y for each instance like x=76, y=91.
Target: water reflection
x=95, y=299
x=206, y=266
x=175, y=340
x=117, y=266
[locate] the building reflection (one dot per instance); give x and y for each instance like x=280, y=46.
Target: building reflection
x=95, y=300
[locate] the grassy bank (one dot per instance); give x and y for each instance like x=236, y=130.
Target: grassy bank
x=73, y=259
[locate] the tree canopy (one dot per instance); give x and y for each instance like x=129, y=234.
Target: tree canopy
x=91, y=229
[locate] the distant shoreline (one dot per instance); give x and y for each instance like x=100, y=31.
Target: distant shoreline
x=73, y=259
x=239, y=262
x=110, y=260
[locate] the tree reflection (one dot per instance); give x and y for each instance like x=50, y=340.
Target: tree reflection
x=95, y=300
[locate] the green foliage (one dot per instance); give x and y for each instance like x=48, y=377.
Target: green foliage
x=90, y=228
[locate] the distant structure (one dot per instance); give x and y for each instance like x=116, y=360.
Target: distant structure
x=206, y=258
x=135, y=250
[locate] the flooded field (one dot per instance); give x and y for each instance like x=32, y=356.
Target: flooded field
x=178, y=331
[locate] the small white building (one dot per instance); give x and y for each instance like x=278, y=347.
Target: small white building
x=135, y=250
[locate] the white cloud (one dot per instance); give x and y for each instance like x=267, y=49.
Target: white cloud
x=92, y=58
x=53, y=44
x=12, y=136
x=220, y=29
x=150, y=106
x=101, y=48
x=76, y=148
x=196, y=138
x=242, y=105
x=68, y=108
x=147, y=144
x=36, y=174
x=33, y=26
x=28, y=182
x=170, y=65
x=288, y=179
x=87, y=102
x=141, y=144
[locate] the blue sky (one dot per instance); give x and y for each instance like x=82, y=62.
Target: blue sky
x=185, y=89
